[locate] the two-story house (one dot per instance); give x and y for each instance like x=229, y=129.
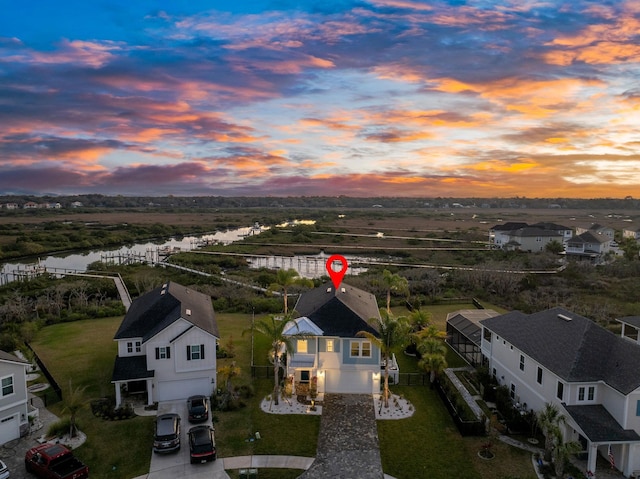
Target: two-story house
x=596, y=228
x=531, y=239
x=167, y=346
x=559, y=357
x=562, y=230
x=588, y=245
x=342, y=361
x=14, y=420
x=524, y=237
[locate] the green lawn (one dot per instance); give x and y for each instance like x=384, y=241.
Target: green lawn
x=81, y=354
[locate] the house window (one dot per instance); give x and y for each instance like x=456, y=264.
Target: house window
x=329, y=345
x=130, y=347
x=521, y=362
x=560, y=390
x=195, y=352
x=302, y=346
x=163, y=353
x=7, y=386
x=361, y=349
x=138, y=347
x=638, y=407
x=581, y=394
x=486, y=334
x=592, y=393
x=304, y=376
x=512, y=392
x=539, y=378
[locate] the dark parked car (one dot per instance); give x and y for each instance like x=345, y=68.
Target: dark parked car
x=202, y=444
x=198, y=408
x=167, y=438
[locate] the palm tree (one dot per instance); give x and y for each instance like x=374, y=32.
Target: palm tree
x=72, y=404
x=285, y=278
x=562, y=451
x=394, y=283
x=419, y=319
x=549, y=419
x=393, y=333
x=433, y=361
x=273, y=328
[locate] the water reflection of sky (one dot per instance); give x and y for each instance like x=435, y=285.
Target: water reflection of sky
x=79, y=261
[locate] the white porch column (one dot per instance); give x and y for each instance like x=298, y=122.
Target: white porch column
x=149, y=392
x=118, y=395
x=320, y=376
x=593, y=455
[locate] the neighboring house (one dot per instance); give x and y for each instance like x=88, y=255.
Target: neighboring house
x=11, y=206
x=564, y=231
x=631, y=233
x=167, y=346
x=464, y=333
x=30, y=205
x=588, y=245
x=597, y=229
x=531, y=239
x=524, y=237
x=499, y=235
x=559, y=357
x=14, y=420
x=341, y=361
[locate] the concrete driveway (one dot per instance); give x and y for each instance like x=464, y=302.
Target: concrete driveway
x=178, y=464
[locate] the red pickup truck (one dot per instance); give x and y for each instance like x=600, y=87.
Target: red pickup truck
x=54, y=461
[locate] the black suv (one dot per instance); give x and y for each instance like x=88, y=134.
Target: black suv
x=167, y=438
x=198, y=408
x=202, y=444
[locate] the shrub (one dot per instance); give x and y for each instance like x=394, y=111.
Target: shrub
x=60, y=427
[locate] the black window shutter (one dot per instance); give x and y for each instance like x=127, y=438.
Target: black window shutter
x=157, y=353
x=168, y=352
x=202, y=351
x=188, y=353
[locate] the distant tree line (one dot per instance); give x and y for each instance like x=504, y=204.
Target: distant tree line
x=93, y=201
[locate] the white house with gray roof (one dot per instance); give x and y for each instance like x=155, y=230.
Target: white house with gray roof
x=556, y=356
x=14, y=420
x=167, y=346
x=342, y=361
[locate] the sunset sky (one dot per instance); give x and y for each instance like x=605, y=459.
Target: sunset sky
x=286, y=98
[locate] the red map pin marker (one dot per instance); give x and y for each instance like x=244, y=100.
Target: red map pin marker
x=336, y=276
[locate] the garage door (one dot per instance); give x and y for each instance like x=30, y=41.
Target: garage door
x=9, y=429
x=348, y=382
x=182, y=389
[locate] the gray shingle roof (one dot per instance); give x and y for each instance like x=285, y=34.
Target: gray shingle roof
x=600, y=426
x=576, y=350
x=130, y=368
x=4, y=356
x=154, y=311
x=343, y=312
